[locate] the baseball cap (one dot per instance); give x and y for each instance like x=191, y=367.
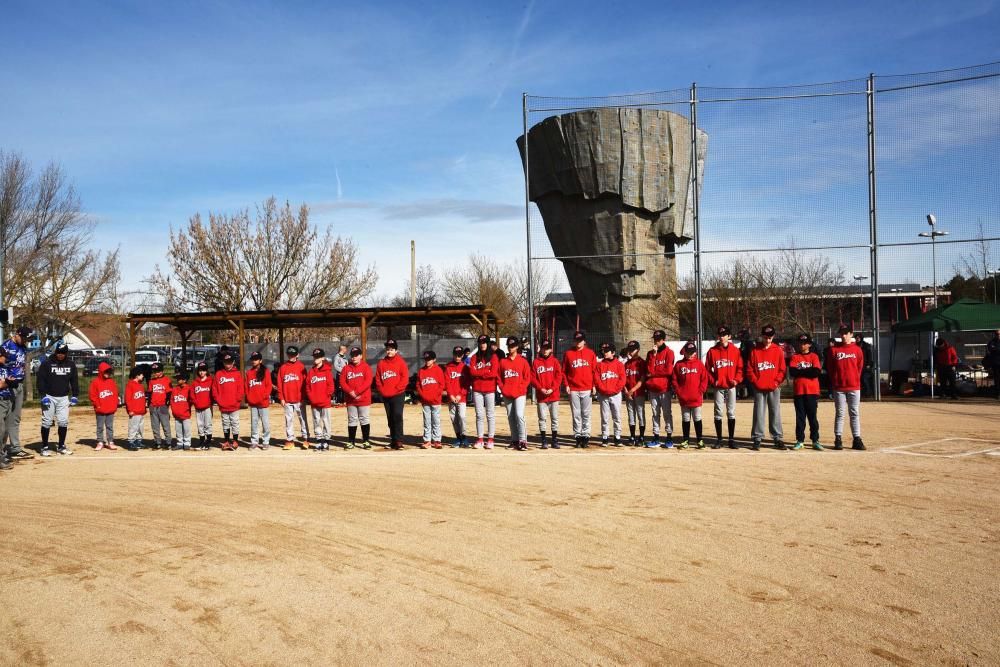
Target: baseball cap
x=292, y=351
x=659, y=334
x=62, y=349
x=391, y=343
x=156, y=367
x=768, y=330
x=513, y=341
x=579, y=335
x=546, y=344
x=804, y=338
x=457, y=351
x=845, y=328
x=483, y=339
x=429, y=354
x=202, y=366
x=723, y=331
x=24, y=332
x=607, y=347
x=690, y=346
x=228, y=357
x=356, y=352
x=632, y=345
x=318, y=352
x=255, y=355
x=181, y=375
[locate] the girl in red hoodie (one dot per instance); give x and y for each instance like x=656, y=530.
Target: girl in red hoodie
x=104, y=398
x=457, y=382
x=766, y=371
x=515, y=378
x=805, y=368
x=180, y=408
x=690, y=381
x=430, y=389
x=227, y=391
x=319, y=391
x=135, y=406
x=609, y=379
x=258, y=391
x=484, y=368
x=201, y=400
x=391, y=377
x=356, y=385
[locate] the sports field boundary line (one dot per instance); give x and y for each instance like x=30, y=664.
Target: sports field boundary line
x=902, y=449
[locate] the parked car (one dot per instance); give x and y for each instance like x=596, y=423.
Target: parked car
x=90, y=365
x=146, y=358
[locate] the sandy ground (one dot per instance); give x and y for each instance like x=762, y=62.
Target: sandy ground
x=457, y=556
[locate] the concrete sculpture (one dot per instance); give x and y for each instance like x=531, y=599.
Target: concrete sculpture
x=614, y=190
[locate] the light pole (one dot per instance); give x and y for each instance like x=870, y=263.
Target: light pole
x=932, y=235
x=859, y=279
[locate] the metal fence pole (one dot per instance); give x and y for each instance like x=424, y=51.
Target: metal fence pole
x=696, y=221
x=527, y=228
x=873, y=237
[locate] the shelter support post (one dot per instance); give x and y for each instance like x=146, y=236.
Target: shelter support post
x=243, y=358
x=281, y=345
x=364, y=338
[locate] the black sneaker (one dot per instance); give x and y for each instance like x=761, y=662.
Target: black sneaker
x=717, y=444
x=20, y=453
x=732, y=444
x=778, y=444
x=858, y=444
x=5, y=464
x=755, y=446
x=838, y=443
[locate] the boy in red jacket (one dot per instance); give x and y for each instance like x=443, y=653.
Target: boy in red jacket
x=258, y=390
x=635, y=393
x=724, y=363
x=457, y=382
x=391, y=377
x=291, y=391
x=430, y=390
x=579, y=364
x=690, y=382
x=547, y=378
x=659, y=369
x=484, y=368
x=227, y=390
x=356, y=385
x=945, y=361
x=180, y=408
x=159, y=406
x=201, y=400
x=846, y=362
x=805, y=368
x=609, y=379
x=104, y=398
x=515, y=378
x=319, y=391
x=135, y=406
x=766, y=371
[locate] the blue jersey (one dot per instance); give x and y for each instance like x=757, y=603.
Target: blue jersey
x=16, y=356
x=5, y=393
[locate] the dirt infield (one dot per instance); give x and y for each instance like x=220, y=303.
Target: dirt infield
x=463, y=556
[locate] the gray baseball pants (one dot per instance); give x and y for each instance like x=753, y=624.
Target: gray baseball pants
x=766, y=404
x=611, y=415
x=135, y=428
x=515, y=418
x=456, y=411
x=182, y=429
x=12, y=420
x=321, y=423
x=432, y=423
x=636, y=408
x=260, y=426
x=358, y=415
x=548, y=413
x=231, y=424
x=851, y=402
x=204, y=419
x=159, y=419
x=659, y=407
x=725, y=398
x=485, y=412
x=105, y=428
x=580, y=404
x=58, y=412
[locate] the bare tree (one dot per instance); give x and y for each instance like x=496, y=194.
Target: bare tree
x=978, y=263
x=485, y=281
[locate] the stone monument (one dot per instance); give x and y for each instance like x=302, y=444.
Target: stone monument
x=614, y=189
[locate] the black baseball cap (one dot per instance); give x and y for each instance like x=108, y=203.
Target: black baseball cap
x=607, y=347
x=632, y=345
x=318, y=352
x=356, y=352
x=202, y=366
x=391, y=343
x=228, y=357
x=255, y=355
x=292, y=351
x=457, y=351
x=845, y=328
x=690, y=346
x=62, y=349
x=156, y=367
x=579, y=335
x=483, y=339
x=429, y=354
x=768, y=330
x=804, y=338
x=25, y=332
x=659, y=334
x=723, y=331
x=181, y=375
x=546, y=344
x=513, y=341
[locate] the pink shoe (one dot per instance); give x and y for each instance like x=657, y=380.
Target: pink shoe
x=425, y=445
x=112, y=446
x=99, y=447
x=479, y=443
x=436, y=445
x=489, y=444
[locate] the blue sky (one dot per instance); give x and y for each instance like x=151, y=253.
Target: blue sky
x=396, y=122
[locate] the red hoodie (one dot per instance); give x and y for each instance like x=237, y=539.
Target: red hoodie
x=844, y=364
x=635, y=372
x=579, y=367
x=291, y=381
x=484, y=367
x=515, y=376
x=180, y=402
x=724, y=365
x=659, y=368
x=258, y=391
x=610, y=376
x=357, y=378
x=945, y=355
x=547, y=374
x=227, y=389
x=319, y=386
x=392, y=376
x=159, y=388
x=135, y=398
x=430, y=385
x=766, y=367
x=690, y=380
x=201, y=392
x=805, y=371
x=104, y=392
x=457, y=381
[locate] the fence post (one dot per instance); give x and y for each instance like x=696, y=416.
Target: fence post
x=873, y=236
x=697, y=223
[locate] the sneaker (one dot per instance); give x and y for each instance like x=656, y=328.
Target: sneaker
x=266, y=445
x=349, y=445
x=132, y=447
x=112, y=446
x=653, y=444
x=456, y=443
x=732, y=444
x=99, y=447
x=556, y=445
x=668, y=443
x=755, y=446
x=288, y=445
x=425, y=445
x=45, y=451
x=604, y=442
x=585, y=442
x=186, y=447
x=838, y=443
x=5, y=464
x=617, y=442
x=436, y=445
x=717, y=444
x=65, y=451
x=366, y=445
x=683, y=444
x=858, y=444
x=778, y=444
x=479, y=443
x=20, y=453
x=818, y=447
x=524, y=446
x=797, y=446
x=700, y=444
x=395, y=446
x=489, y=443
x=545, y=445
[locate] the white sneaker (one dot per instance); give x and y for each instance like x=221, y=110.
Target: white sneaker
x=45, y=451
x=65, y=451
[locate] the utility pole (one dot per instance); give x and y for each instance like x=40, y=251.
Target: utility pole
x=413, y=286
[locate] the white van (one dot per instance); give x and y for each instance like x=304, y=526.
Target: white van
x=149, y=357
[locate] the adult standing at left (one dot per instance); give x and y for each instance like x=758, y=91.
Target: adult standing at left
x=339, y=364
x=17, y=354
x=59, y=387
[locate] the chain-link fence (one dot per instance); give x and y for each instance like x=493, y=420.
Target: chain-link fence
x=812, y=210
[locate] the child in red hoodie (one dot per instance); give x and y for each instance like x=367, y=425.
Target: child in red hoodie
x=457, y=382
x=258, y=391
x=430, y=389
x=547, y=378
x=391, y=377
x=766, y=371
x=180, y=408
x=659, y=369
x=805, y=368
x=515, y=378
x=135, y=406
x=201, y=399
x=724, y=362
x=609, y=379
x=690, y=382
x=104, y=398
x=319, y=390
x=845, y=363
x=484, y=367
x=356, y=385
x=579, y=363
x=227, y=391
x=159, y=406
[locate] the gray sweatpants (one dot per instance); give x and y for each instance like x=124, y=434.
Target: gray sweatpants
x=611, y=415
x=12, y=420
x=456, y=411
x=851, y=402
x=159, y=420
x=204, y=419
x=6, y=408
x=432, y=423
x=293, y=414
x=321, y=423
x=687, y=414
x=766, y=404
x=182, y=428
x=231, y=423
x=105, y=428
x=580, y=403
x=135, y=428
x=515, y=418
x=660, y=409
x=260, y=426
x=485, y=413
x=58, y=412
x=636, y=408
x=359, y=415
x=725, y=398
x=548, y=413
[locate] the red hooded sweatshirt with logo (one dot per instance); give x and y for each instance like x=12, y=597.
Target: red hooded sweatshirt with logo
x=766, y=367
x=227, y=389
x=159, y=389
x=430, y=385
x=515, y=376
x=104, y=392
x=690, y=381
x=180, y=402
x=135, y=398
x=484, y=367
x=291, y=381
x=258, y=391
x=945, y=355
x=805, y=371
x=457, y=381
x=724, y=365
x=579, y=367
x=357, y=378
x=201, y=392
x=610, y=376
x=547, y=374
x=319, y=386
x=845, y=363
x=392, y=376
x=659, y=368
x=635, y=372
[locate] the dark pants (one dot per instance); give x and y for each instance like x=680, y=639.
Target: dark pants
x=996, y=381
x=946, y=380
x=805, y=408
x=868, y=382
x=394, y=415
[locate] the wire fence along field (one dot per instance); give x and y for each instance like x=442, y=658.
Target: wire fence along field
x=811, y=201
